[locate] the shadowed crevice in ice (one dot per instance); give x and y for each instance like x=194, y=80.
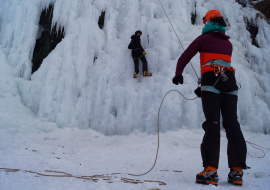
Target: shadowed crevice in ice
x=253, y=29
x=48, y=37
x=101, y=20
x=194, y=15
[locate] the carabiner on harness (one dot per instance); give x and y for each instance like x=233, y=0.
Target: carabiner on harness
x=223, y=76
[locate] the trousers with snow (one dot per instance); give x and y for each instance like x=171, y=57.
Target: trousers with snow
x=225, y=103
x=136, y=63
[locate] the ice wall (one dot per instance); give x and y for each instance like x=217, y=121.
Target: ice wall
x=73, y=90
x=14, y=116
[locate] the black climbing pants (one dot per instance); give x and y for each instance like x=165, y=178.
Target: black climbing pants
x=136, y=63
x=213, y=104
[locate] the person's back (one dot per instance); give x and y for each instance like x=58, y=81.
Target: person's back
x=211, y=45
x=215, y=45
x=219, y=95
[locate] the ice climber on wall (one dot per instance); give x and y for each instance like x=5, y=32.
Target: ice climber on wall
x=138, y=53
x=219, y=94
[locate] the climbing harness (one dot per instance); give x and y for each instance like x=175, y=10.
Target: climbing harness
x=136, y=57
x=216, y=66
x=136, y=49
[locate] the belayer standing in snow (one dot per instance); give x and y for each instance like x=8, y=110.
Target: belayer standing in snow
x=138, y=53
x=219, y=94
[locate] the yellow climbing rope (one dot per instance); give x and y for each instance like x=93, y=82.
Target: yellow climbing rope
x=177, y=36
x=158, y=130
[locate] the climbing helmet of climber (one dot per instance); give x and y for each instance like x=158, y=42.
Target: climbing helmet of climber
x=211, y=14
x=138, y=32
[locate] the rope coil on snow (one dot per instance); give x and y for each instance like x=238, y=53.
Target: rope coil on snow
x=158, y=130
x=110, y=178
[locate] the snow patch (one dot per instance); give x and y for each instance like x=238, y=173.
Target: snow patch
x=261, y=174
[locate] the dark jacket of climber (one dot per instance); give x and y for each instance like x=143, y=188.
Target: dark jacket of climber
x=135, y=44
x=138, y=53
x=217, y=96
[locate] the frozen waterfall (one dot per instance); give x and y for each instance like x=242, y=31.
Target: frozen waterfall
x=86, y=81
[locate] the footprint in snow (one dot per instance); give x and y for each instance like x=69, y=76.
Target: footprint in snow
x=261, y=174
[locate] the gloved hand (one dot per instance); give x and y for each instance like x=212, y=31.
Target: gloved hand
x=178, y=79
x=144, y=52
x=198, y=92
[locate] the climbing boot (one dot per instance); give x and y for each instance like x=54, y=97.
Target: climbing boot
x=135, y=75
x=235, y=176
x=208, y=176
x=146, y=74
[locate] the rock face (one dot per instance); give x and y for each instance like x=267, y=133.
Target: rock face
x=264, y=7
x=101, y=20
x=193, y=18
x=251, y=25
x=253, y=29
x=48, y=40
x=193, y=15
x=243, y=2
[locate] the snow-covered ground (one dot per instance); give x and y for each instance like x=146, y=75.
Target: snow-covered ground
x=88, y=153
x=88, y=118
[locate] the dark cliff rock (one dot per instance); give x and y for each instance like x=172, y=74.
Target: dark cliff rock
x=49, y=38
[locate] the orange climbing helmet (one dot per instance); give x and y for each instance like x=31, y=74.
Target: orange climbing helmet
x=211, y=14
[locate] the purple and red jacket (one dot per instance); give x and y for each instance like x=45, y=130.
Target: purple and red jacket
x=211, y=45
